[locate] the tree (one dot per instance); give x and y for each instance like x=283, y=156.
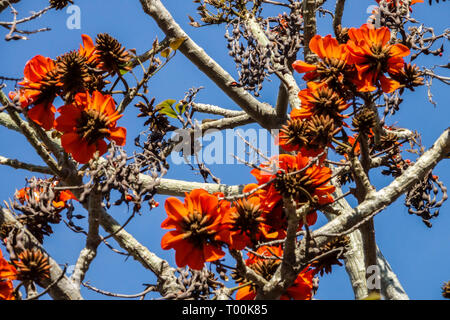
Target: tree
x=259, y=239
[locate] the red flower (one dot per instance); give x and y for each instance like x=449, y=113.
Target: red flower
x=197, y=238
x=309, y=184
x=86, y=123
x=39, y=88
x=301, y=289
x=88, y=50
x=373, y=56
x=333, y=65
x=7, y=273
x=6, y=290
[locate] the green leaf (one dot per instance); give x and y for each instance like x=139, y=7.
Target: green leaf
x=182, y=110
x=167, y=109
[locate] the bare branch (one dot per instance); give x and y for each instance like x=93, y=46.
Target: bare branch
x=16, y=164
x=260, y=112
x=89, y=252
x=63, y=289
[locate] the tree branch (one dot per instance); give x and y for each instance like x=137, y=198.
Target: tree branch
x=63, y=289
x=309, y=31
x=338, y=13
x=391, y=287
x=210, y=109
x=16, y=164
x=367, y=208
x=93, y=240
x=260, y=112
x=167, y=281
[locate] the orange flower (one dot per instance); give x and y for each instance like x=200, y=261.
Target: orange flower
x=197, y=223
x=6, y=290
x=301, y=289
x=60, y=201
x=39, y=87
x=309, y=184
x=334, y=61
x=63, y=197
x=242, y=224
x=86, y=122
x=88, y=50
x=7, y=273
x=258, y=217
x=373, y=56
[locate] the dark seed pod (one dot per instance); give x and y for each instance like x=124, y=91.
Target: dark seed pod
x=60, y=4
x=364, y=121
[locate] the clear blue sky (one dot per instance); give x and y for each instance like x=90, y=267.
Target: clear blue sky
x=420, y=256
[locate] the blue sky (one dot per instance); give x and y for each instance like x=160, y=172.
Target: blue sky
x=420, y=256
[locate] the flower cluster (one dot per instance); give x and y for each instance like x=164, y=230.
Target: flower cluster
x=59, y=202
x=206, y=222
x=367, y=62
x=40, y=205
x=363, y=61
x=88, y=116
x=265, y=263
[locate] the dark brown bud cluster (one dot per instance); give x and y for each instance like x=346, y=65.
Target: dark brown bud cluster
x=286, y=36
x=298, y=186
x=364, y=121
x=446, y=290
x=252, y=59
x=247, y=218
x=195, y=284
x=74, y=73
x=32, y=265
x=330, y=254
x=223, y=11
x=155, y=120
x=114, y=56
x=316, y=132
x=36, y=204
x=60, y=4
x=410, y=77
x=117, y=174
x=422, y=199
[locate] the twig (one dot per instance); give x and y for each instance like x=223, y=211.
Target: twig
x=149, y=289
x=50, y=286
